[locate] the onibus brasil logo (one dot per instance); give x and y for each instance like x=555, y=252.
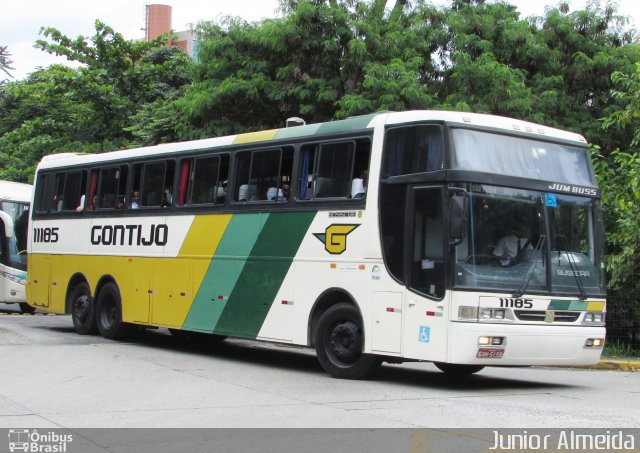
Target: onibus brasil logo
x=28, y=440
x=334, y=237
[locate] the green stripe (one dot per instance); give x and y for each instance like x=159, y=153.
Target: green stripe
x=263, y=274
x=572, y=305
x=224, y=270
x=352, y=124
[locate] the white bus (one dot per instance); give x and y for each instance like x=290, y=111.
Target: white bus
x=15, y=199
x=463, y=239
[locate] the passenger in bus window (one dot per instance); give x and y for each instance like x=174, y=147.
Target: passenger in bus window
x=283, y=193
x=359, y=186
x=57, y=203
x=80, y=207
x=135, y=200
x=166, y=198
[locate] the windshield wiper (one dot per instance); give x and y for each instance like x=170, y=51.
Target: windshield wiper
x=519, y=292
x=572, y=264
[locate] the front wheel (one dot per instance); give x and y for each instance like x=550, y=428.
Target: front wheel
x=109, y=313
x=339, y=343
x=457, y=370
x=26, y=308
x=83, y=310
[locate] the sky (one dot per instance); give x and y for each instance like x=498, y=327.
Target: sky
x=21, y=20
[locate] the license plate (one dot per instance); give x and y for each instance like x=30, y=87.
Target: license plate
x=489, y=353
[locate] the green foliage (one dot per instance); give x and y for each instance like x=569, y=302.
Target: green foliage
x=629, y=116
x=618, y=349
x=89, y=109
x=619, y=178
x=5, y=62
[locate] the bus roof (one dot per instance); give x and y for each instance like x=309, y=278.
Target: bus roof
x=353, y=124
x=15, y=191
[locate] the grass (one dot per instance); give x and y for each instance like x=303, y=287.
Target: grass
x=620, y=350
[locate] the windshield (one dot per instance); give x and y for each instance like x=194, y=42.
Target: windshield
x=516, y=156
x=528, y=241
x=17, y=245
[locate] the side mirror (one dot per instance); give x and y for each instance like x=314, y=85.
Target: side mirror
x=458, y=217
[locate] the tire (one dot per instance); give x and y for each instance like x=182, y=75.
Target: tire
x=457, y=370
x=83, y=310
x=339, y=343
x=26, y=308
x=109, y=313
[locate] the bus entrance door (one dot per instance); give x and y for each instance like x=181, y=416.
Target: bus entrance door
x=425, y=318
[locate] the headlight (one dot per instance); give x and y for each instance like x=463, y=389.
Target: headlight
x=594, y=318
x=14, y=278
x=467, y=313
x=594, y=343
x=496, y=314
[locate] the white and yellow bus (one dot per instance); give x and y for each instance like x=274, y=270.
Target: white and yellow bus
x=15, y=199
x=463, y=239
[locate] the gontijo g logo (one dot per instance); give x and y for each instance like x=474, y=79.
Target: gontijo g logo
x=335, y=237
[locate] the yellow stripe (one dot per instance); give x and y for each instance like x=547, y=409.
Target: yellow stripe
x=154, y=290
x=252, y=137
x=204, y=235
x=595, y=306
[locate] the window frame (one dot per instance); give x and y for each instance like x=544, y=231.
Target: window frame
x=355, y=141
x=237, y=184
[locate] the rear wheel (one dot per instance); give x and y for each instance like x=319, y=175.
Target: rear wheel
x=83, y=310
x=26, y=308
x=458, y=370
x=109, y=313
x=339, y=343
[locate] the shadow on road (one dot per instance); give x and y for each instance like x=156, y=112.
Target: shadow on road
x=298, y=359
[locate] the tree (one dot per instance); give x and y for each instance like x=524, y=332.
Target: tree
x=93, y=108
x=5, y=62
x=119, y=76
x=619, y=176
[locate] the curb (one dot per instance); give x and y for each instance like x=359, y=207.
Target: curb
x=615, y=364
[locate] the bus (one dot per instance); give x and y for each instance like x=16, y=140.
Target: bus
x=15, y=200
x=375, y=238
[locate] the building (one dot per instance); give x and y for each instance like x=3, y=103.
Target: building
x=158, y=22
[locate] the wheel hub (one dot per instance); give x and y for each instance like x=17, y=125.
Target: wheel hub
x=344, y=342
x=81, y=308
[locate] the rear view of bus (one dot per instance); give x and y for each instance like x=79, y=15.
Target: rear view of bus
x=15, y=199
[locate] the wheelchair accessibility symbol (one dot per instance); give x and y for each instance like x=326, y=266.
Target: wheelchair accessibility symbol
x=425, y=334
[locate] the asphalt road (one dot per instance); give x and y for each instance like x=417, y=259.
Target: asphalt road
x=53, y=378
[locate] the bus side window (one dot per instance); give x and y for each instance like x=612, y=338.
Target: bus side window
x=413, y=149
x=108, y=187
x=69, y=190
x=40, y=199
x=223, y=180
x=156, y=186
x=262, y=174
x=58, y=195
x=207, y=180
x=204, y=180
x=334, y=170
